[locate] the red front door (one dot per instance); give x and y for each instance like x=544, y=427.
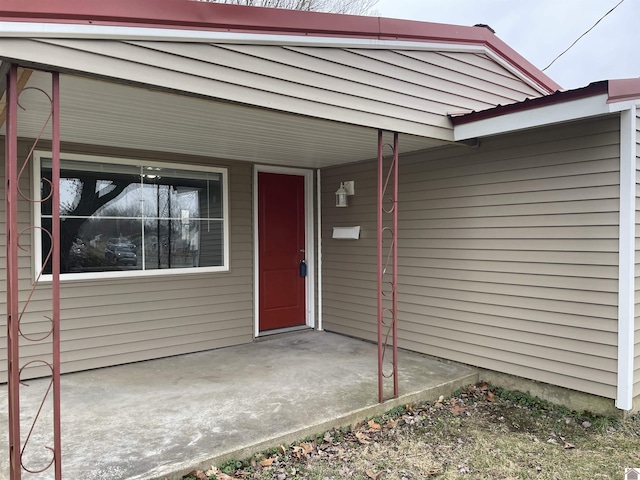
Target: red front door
x=281, y=243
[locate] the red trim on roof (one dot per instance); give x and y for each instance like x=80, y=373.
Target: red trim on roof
x=596, y=88
x=183, y=14
x=617, y=91
x=624, y=89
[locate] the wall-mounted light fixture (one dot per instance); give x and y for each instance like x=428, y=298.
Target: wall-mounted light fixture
x=346, y=189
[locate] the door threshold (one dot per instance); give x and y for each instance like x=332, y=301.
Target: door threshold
x=277, y=331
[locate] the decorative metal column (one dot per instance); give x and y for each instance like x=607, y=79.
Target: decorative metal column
x=387, y=267
x=17, y=304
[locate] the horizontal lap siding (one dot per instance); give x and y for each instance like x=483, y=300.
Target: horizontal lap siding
x=636, y=376
x=508, y=254
x=407, y=91
x=114, y=321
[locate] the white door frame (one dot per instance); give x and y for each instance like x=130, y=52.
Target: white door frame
x=309, y=245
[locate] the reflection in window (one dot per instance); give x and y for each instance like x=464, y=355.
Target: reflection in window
x=117, y=217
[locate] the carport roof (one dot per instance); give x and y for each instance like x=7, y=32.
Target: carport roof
x=213, y=17
x=255, y=84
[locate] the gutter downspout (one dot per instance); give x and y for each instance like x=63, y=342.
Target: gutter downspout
x=626, y=258
x=319, y=201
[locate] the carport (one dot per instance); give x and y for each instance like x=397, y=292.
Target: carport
x=232, y=87
x=162, y=418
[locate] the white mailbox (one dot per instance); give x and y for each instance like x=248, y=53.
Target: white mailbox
x=346, y=233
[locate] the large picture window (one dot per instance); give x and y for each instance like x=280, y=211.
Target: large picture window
x=122, y=218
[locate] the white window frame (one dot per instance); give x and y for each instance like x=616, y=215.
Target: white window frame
x=37, y=218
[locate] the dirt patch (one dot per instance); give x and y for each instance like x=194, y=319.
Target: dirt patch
x=482, y=432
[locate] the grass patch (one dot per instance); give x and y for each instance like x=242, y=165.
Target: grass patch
x=481, y=432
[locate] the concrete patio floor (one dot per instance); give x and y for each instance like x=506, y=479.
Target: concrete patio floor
x=161, y=418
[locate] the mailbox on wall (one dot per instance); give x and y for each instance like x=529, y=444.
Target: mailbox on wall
x=346, y=233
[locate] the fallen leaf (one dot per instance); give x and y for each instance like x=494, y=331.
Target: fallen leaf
x=199, y=474
x=373, y=426
x=586, y=424
x=569, y=446
x=491, y=396
x=433, y=472
x=457, y=410
x=267, y=462
x=371, y=474
x=224, y=476
x=362, y=438
x=282, y=449
x=391, y=424
x=306, y=448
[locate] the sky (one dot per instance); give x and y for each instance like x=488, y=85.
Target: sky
x=539, y=30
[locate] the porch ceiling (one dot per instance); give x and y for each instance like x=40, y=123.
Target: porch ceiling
x=110, y=114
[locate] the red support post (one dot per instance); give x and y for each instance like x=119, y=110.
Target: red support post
x=380, y=269
x=394, y=243
x=387, y=266
x=55, y=269
x=11, y=229
x=17, y=308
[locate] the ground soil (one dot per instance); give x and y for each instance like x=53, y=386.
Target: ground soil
x=481, y=432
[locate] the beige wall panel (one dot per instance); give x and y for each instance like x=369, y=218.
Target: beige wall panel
x=508, y=254
x=409, y=63
x=111, y=321
x=455, y=86
x=479, y=65
x=527, y=367
x=406, y=91
x=140, y=73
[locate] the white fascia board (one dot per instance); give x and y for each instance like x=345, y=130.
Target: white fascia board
x=626, y=262
x=535, y=117
x=105, y=32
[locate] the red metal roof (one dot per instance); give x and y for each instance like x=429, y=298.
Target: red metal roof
x=616, y=90
x=184, y=14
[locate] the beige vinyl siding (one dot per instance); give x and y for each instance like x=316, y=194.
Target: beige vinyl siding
x=407, y=91
x=508, y=254
x=636, y=361
x=113, y=321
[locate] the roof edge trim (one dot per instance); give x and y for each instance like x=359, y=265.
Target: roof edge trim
x=104, y=32
x=214, y=17
x=624, y=89
x=550, y=114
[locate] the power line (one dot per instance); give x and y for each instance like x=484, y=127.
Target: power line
x=580, y=37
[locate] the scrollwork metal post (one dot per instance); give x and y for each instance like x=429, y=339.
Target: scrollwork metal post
x=17, y=307
x=387, y=266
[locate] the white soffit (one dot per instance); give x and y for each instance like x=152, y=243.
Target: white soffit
x=535, y=117
x=95, y=112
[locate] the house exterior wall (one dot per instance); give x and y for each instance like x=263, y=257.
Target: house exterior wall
x=508, y=254
x=113, y=321
x=636, y=360
x=406, y=91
